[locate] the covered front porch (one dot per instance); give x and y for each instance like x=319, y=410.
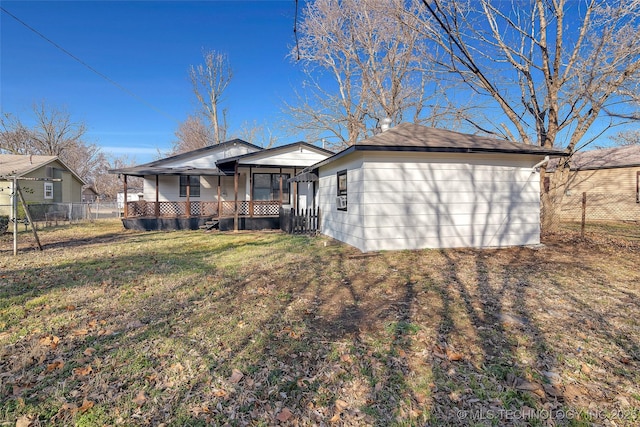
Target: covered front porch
x=233, y=186
x=242, y=198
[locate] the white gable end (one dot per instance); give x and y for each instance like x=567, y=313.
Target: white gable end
x=208, y=160
x=295, y=156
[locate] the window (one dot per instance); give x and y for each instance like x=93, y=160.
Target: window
x=341, y=199
x=48, y=190
x=190, y=182
x=266, y=186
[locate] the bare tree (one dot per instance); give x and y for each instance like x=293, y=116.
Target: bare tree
x=361, y=65
x=630, y=137
x=209, y=81
x=53, y=134
x=14, y=136
x=108, y=185
x=258, y=134
x=554, y=68
x=192, y=134
x=86, y=160
x=560, y=72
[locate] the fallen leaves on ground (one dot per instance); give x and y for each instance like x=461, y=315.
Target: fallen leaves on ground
x=131, y=328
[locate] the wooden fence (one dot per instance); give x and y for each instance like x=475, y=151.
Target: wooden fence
x=304, y=221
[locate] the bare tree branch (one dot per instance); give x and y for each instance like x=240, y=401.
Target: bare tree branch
x=209, y=81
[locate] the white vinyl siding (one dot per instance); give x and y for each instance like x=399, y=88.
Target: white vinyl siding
x=437, y=200
x=346, y=226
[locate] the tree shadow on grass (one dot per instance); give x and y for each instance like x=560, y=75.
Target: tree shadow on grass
x=293, y=333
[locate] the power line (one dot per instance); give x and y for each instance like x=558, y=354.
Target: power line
x=105, y=77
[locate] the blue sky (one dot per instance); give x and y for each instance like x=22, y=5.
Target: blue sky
x=146, y=47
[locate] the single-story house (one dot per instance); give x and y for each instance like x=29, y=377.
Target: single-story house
x=235, y=184
x=43, y=179
x=610, y=177
x=409, y=187
x=413, y=187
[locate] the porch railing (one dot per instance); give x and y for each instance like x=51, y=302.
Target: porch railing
x=143, y=208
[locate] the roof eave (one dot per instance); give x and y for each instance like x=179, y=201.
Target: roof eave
x=424, y=149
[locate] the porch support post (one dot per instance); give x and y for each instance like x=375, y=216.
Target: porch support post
x=295, y=196
x=14, y=213
x=219, y=198
x=235, y=191
x=295, y=191
x=188, y=207
x=250, y=192
x=126, y=197
x=157, y=208
x=313, y=194
x=280, y=187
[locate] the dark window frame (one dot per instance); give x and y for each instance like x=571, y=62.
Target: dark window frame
x=193, y=182
x=274, y=186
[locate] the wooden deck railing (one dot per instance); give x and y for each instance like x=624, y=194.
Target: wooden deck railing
x=302, y=221
x=143, y=208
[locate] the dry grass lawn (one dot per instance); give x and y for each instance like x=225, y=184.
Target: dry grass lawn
x=115, y=327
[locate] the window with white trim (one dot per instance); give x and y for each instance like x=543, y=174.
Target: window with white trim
x=48, y=190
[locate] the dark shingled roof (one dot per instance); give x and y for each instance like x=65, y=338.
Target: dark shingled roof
x=418, y=138
x=434, y=139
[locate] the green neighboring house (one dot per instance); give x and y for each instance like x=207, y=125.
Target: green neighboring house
x=32, y=172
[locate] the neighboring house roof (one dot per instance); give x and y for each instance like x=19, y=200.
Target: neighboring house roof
x=20, y=165
x=89, y=190
x=604, y=158
x=413, y=137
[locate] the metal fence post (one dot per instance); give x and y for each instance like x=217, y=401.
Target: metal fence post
x=584, y=214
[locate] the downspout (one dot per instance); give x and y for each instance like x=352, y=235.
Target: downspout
x=540, y=163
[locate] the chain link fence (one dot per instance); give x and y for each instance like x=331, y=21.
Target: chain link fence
x=594, y=212
x=48, y=214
